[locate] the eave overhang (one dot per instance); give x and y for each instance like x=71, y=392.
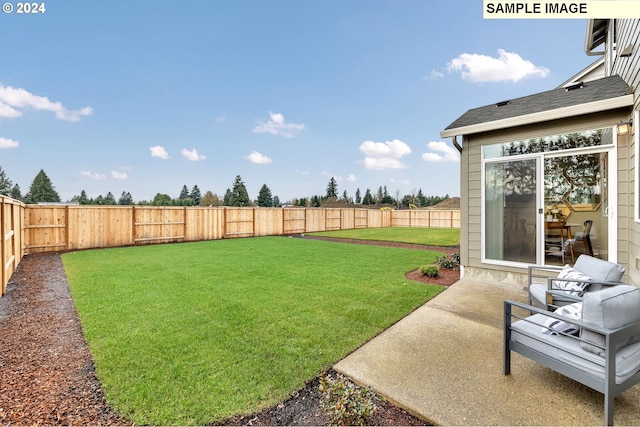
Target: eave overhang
x=543, y=116
x=596, y=35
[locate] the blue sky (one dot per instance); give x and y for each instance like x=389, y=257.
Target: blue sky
x=148, y=96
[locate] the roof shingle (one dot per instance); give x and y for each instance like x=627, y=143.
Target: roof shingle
x=595, y=90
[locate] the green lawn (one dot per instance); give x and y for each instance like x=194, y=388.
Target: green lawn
x=193, y=333
x=416, y=235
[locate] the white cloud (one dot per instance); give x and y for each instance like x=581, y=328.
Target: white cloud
x=8, y=143
x=258, y=158
x=509, y=66
x=119, y=175
x=96, y=176
x=351, y=178
x=192, y=155
x=433, y=75
x=159, y=151
x=384, y=155
x=399, y=181
x=221, y=119
x=304, y=173
x=443, y=152
x=382, y=163
x=277, y=126
x=14, y=101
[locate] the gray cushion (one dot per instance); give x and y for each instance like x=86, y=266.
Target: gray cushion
x=610, y=308
x=567, y=350
x=599, y=270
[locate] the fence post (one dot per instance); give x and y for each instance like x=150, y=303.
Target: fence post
x=133, y=225
x=224, y=222
x=3, y=275
x=66, y=227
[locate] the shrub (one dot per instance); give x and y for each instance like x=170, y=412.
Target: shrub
x=429, y=270
x=449, y=262
x=346, y=403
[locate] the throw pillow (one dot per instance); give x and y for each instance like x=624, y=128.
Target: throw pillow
x=573, y=283
x=554, y=326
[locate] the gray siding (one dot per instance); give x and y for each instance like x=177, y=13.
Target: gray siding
x=471, y=171
x=628, y=33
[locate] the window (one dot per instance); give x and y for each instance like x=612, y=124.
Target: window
x=531, y=184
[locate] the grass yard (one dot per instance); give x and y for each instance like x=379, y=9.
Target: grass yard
x=414, y=235
x=189, y=334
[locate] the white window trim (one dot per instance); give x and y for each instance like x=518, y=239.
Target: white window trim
x=636, y=167
x=611, y=148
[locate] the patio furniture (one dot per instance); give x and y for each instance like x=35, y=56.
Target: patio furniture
x=555, y=286
x=556, y=238
x=595, y=342
x=582, y=238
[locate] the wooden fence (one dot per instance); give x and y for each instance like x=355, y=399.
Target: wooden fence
x=69, y=227
x=11, y=249
x=47, y=228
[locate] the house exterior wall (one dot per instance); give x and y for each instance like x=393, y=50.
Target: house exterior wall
x=471, y=190
x=627, y=34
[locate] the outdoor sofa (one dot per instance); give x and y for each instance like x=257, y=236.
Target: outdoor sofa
x=587, y=275
x=594, y=341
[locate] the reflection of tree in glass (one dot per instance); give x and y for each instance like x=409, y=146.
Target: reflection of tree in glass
x=570, y=178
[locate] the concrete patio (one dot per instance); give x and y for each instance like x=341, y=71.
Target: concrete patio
x=443, y=363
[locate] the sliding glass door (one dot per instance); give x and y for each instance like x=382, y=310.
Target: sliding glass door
x=548, y=200
x=510, y=210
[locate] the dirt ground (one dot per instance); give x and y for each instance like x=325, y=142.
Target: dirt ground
x=47, y=376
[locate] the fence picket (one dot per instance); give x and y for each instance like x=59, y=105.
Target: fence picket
x=47, y=228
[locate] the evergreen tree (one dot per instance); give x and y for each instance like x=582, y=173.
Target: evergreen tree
x=276, y=202
x=265, y=198
x=98, y=200
x=15, y=192
x=184, y=193
x=83, y=199
x=316, y=201
x=195, y=195
x=109, y=199
x=125, y=199
x=386, y=198
x=368, y=198
x=420, y=198
x=5, y=184
x=345, y=196
x=239, y=194
x=332, y=189
x=358, y=198
x=227, y=197
x=42, y=190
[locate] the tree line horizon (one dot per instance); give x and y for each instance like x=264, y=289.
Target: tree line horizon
x=42, y=190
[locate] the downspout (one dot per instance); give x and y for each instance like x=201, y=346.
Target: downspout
x=455, y=144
